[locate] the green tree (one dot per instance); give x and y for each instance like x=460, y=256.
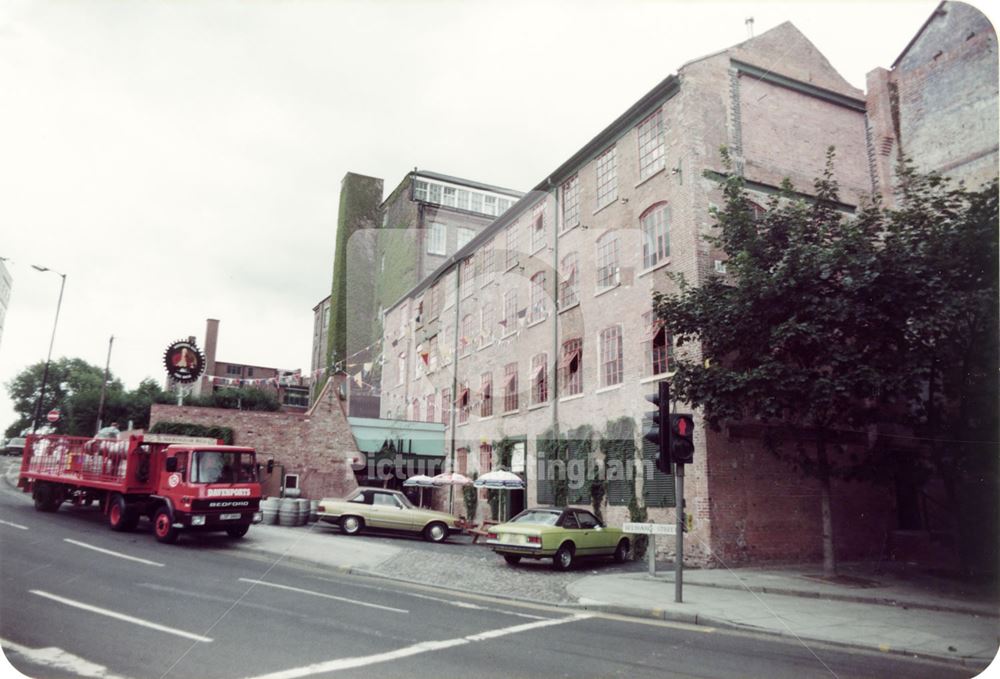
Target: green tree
x=827, y=321
x=74, y=386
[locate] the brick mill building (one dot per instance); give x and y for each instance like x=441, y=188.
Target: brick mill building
x=542, y=324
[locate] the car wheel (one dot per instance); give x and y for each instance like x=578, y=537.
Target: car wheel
x=621, y=551
x=563, y=559
x=512, y=559
x=436, y=532
x=238, y=531
x=351, y=525
x=163, y=526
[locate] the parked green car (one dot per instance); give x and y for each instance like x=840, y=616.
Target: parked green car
x=559, y=533
x=384, y=509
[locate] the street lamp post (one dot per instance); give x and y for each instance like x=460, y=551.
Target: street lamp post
x=48, y=359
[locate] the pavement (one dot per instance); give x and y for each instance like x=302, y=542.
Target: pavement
x=895, y=608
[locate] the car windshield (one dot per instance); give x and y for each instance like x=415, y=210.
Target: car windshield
x=406, y=501
x=543, y=518
x=214, y=466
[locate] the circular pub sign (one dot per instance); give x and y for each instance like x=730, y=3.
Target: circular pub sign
x=184, y=361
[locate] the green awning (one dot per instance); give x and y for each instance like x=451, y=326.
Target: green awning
x=417, y=439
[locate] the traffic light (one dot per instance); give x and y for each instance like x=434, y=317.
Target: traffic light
x=681, y=438
x=658, y=434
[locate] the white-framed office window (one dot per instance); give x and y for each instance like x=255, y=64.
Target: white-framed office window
x=611, y=356
x=437, y=239
x=655, y=223
x=651, y=141
x=463, y=236
x=571, y=203
x=607, y=260
x=607, y=177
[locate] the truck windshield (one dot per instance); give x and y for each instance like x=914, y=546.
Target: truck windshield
x=213, y=466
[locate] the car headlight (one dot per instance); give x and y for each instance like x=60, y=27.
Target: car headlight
x=198, y=520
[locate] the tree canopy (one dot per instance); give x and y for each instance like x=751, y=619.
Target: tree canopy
x=827, y=321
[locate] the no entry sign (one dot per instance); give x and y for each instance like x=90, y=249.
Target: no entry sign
x=53, y=415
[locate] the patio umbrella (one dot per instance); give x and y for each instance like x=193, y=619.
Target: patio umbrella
x=500, y=480
x=420, y=481
x=451, y=479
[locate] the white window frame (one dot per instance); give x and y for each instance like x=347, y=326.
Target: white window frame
x=437, y=239
x=605, y=359
x=651, y=138
x=655, y=226
x=607, y=177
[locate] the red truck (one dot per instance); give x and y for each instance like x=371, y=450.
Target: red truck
x=179, y=482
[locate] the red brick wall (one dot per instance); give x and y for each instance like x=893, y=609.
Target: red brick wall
x=761, y=509
x=317, y=445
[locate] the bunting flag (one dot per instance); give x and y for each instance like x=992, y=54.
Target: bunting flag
x=358, y=380
x=368, y=367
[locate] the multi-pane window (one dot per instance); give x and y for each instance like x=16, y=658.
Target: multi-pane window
x=449, y=290
x=476, y=202
x=467, y=277
x=445, y=406
x=431, y=398
x=463, y=403
x=401, y=365
x=450, y=196
x=538, y=305
x=657, y=345
x=607, y=260
x=510, y=256
x=435, y=303
x=571, y=367
x=486, y=263
x=490, y=205
x=432, y=354
x=571, y=203
x=416, y=411
x=611, y=356
x=487, y=322
x=510, y=387
x=538, y=228
x=503, y=204
x=655, y=224
x=419, y=190
x=463, y=200
x=651, y=158
x=539, y=378
x=467, y=340
x=568, y=281
x=437, y=239
x=485, y=458
x=509, y=321
x=463, y=236
x=607, y=177
x=486, y=390
x=434, y=193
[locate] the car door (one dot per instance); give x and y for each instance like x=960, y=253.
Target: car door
x=594, y=537
x=386, y=511
x=571, y=527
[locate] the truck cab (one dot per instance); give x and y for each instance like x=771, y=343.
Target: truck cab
x=207, y=488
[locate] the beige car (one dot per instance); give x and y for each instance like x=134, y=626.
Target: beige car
x=382, y=509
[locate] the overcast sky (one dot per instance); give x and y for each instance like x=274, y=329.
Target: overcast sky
x=180, y=161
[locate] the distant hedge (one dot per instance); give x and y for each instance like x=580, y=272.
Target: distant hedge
x=191, y=429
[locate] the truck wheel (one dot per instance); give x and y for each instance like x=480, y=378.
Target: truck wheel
x=121, y=517
x=238, y=531
x=46, y=497
x=163, y=526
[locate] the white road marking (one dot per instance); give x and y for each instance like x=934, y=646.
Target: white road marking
x=61, y=660
x=325, y=596
x=450, y=602
x=121, y=616
x=416, y=649
x=108, y=551
x=15, y=525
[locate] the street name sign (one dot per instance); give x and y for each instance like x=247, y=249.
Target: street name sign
x=650, y=528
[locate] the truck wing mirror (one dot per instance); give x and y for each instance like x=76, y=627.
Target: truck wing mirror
x=171, y=464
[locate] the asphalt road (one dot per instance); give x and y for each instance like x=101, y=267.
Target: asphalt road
x=204, y=608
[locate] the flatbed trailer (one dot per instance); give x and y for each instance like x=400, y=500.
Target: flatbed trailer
x=180, y=483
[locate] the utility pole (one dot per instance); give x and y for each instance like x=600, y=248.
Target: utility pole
x=104, y=385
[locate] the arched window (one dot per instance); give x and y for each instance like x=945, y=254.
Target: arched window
x=655, y=224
